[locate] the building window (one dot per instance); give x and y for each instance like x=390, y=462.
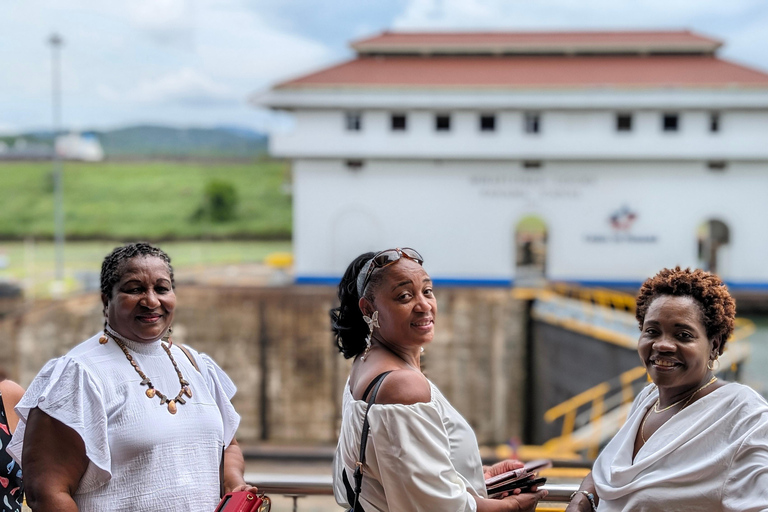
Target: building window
x=487, y=123
x=354, y=121
x=623, y=122
x=532, y=122
x=714, y=122
x=443, y=122
x=354, y=165
x=717, y=165
x=532, y=164
x=399, y=122
x=670, y=122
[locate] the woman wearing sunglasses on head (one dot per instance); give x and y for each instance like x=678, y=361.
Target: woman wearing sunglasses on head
x=419, y=453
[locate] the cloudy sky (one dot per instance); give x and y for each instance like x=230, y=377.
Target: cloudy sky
x=195, y=62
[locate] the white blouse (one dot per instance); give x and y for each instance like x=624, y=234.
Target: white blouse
x=712, y=455
x=141, y=457
x=420, y=457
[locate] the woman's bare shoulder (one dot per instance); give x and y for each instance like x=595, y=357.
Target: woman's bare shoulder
x=11, y=392
x=405, y=387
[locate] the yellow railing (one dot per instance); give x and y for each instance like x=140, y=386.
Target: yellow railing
x=623, y=384
x=597, y=296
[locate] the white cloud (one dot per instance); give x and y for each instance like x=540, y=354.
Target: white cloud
x=564, y=14
x=186, y=85
x=196, y=61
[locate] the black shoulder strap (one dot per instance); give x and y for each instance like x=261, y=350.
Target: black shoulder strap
x=358, y=476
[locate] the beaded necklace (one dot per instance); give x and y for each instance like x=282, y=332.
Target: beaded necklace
x=151, y=390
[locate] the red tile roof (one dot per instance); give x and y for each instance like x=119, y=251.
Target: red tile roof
x=514, y=72
x=537, y=42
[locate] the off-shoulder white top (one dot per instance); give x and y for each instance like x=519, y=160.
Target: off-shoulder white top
x=420, y=457
x=141, y=457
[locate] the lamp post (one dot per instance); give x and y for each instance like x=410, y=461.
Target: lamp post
x=58, y=186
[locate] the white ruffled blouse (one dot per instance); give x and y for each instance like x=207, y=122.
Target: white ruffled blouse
x=712, y=455
x=141, y=457
x=420, y=457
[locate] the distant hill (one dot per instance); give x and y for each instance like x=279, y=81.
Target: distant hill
x=163, y=141
x=149, y=141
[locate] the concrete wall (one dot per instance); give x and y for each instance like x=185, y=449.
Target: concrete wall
x=275, y=343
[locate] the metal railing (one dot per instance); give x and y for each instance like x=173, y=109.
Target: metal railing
x=591, y=407
x=297, y=486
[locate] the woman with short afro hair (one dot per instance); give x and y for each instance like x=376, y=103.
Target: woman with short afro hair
x=691, y=441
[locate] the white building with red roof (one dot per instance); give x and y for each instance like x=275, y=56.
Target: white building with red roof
x=594, y=157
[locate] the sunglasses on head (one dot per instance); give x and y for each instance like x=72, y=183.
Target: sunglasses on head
x=385, y=258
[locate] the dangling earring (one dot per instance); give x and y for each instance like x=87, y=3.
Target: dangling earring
x=103, y=338
x=713, y=364
x=167, y=337
x=372, y=321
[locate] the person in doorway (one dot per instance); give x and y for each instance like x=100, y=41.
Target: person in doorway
x=128, y=421
x=691, y=441
x=421, y=455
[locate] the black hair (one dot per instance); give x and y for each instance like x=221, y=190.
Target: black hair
x=349, y=328
x=112, y=266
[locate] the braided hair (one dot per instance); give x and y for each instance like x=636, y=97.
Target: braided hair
x=112, y=266
x=349, y=328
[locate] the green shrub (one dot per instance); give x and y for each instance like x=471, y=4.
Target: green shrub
x=219, y=202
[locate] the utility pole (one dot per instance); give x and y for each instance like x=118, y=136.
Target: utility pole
x=56, y=43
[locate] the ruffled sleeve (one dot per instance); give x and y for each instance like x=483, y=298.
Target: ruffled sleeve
x=67, y=392
x=222, y=390
x=412, y=458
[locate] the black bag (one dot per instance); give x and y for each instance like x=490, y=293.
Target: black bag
x=353, y=496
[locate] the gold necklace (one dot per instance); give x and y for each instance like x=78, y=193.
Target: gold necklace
x=658, y=400
x=690, y=397
x=151, y=391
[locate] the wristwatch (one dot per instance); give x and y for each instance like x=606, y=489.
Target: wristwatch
x=590, y=497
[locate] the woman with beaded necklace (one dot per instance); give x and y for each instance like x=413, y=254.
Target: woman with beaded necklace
x=127, y=421
x=691, y=441
x=421, y=455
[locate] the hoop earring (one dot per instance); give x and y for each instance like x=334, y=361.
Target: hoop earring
x=713, y=364
x=372, y=321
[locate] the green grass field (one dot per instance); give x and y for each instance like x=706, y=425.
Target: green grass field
x=143, y=200
x=32, y=263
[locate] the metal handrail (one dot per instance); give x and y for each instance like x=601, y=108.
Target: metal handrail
x=322, y=485
x=624, y=384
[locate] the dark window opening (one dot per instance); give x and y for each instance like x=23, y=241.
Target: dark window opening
x=399, y=122
x=354, y=121
x=442, y=122
x=355, y=165
x=670, y=122
x=532, y=123
x=717, y=165
x=714, y=123
x=487, y=123
x=532, y=164
x=624, y=122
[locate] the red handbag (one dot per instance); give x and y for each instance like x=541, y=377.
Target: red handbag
x=244, y=501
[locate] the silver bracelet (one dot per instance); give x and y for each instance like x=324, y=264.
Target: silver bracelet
x=590, y=497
